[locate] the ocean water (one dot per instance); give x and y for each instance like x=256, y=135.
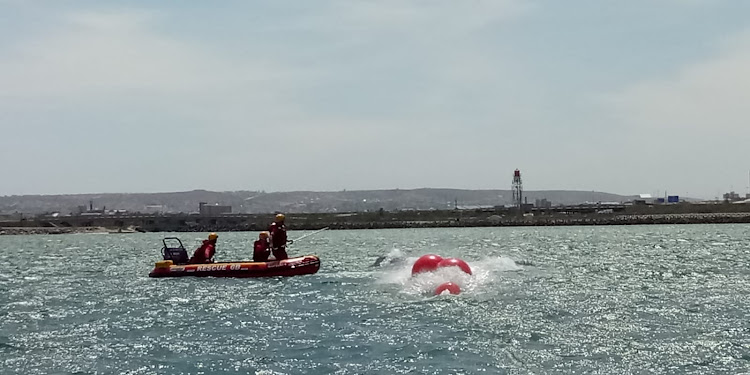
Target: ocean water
x=565, y=300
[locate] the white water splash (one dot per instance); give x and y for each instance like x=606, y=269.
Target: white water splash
x=484, y=273
x=178, y=300
x=394, y=257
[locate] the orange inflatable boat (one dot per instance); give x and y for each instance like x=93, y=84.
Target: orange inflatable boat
x=175, y=265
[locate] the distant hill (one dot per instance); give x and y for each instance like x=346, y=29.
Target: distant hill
x=293, y=202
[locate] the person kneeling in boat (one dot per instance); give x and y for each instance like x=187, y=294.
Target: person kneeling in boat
x=278, y=238
x=261, y=248
x=205, y=253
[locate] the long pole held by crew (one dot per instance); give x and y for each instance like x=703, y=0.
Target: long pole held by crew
x=307, y=235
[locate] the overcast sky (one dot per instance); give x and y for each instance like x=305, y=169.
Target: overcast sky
x=638, y=96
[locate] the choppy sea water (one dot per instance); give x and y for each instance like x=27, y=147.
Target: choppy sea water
x=604, y=300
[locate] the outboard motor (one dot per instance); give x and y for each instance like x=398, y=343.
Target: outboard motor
x=177, y=254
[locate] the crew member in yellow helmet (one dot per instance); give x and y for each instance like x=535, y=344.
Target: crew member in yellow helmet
x=277, y=229
x=205, y=253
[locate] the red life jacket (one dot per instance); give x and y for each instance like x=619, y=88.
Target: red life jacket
x=204, y=253
x=261, y=251
x=260, y=246
x=278, y=234
x=210, y=251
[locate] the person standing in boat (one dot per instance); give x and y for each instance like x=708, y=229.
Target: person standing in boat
x=277, y=229
x=205, y=253
x=261, y=248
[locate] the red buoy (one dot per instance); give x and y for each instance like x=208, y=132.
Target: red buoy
x=451, y=262
x=449, y=286
x=426, y=263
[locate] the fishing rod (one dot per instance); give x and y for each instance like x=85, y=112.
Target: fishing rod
x=307, y=235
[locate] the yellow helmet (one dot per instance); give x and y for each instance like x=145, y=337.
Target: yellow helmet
x=213, y=236
x=264, y=234
x=280, y=217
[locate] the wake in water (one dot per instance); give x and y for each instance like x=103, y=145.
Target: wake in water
x=397, y=271
x=393, y=258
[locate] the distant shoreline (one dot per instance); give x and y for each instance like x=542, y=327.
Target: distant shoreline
x=467, y=222
x=45, y=230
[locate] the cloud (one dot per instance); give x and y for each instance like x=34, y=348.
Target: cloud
x=706, y=96
x=362, y=85
x=370, y=53
x=428, y=18
x=403, y=56
x=691, y=2
x=95, y=53
x=687, y=131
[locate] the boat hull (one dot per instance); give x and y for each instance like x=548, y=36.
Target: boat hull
x=304, y=265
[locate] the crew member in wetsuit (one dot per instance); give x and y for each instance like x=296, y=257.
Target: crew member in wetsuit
x=261, y=248
x=205, y=253
x=278, y=237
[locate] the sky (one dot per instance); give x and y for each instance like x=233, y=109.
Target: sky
x=628, y=97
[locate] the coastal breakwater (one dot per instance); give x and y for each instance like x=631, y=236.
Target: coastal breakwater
x=620, y=215
x=50, y=230
x=718, y=218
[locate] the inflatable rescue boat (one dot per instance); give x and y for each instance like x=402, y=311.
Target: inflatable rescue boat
x=175, y=264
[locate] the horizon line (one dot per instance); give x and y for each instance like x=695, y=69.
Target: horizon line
x=309, y=191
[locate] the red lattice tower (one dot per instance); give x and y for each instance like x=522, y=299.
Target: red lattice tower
x=517, y=189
